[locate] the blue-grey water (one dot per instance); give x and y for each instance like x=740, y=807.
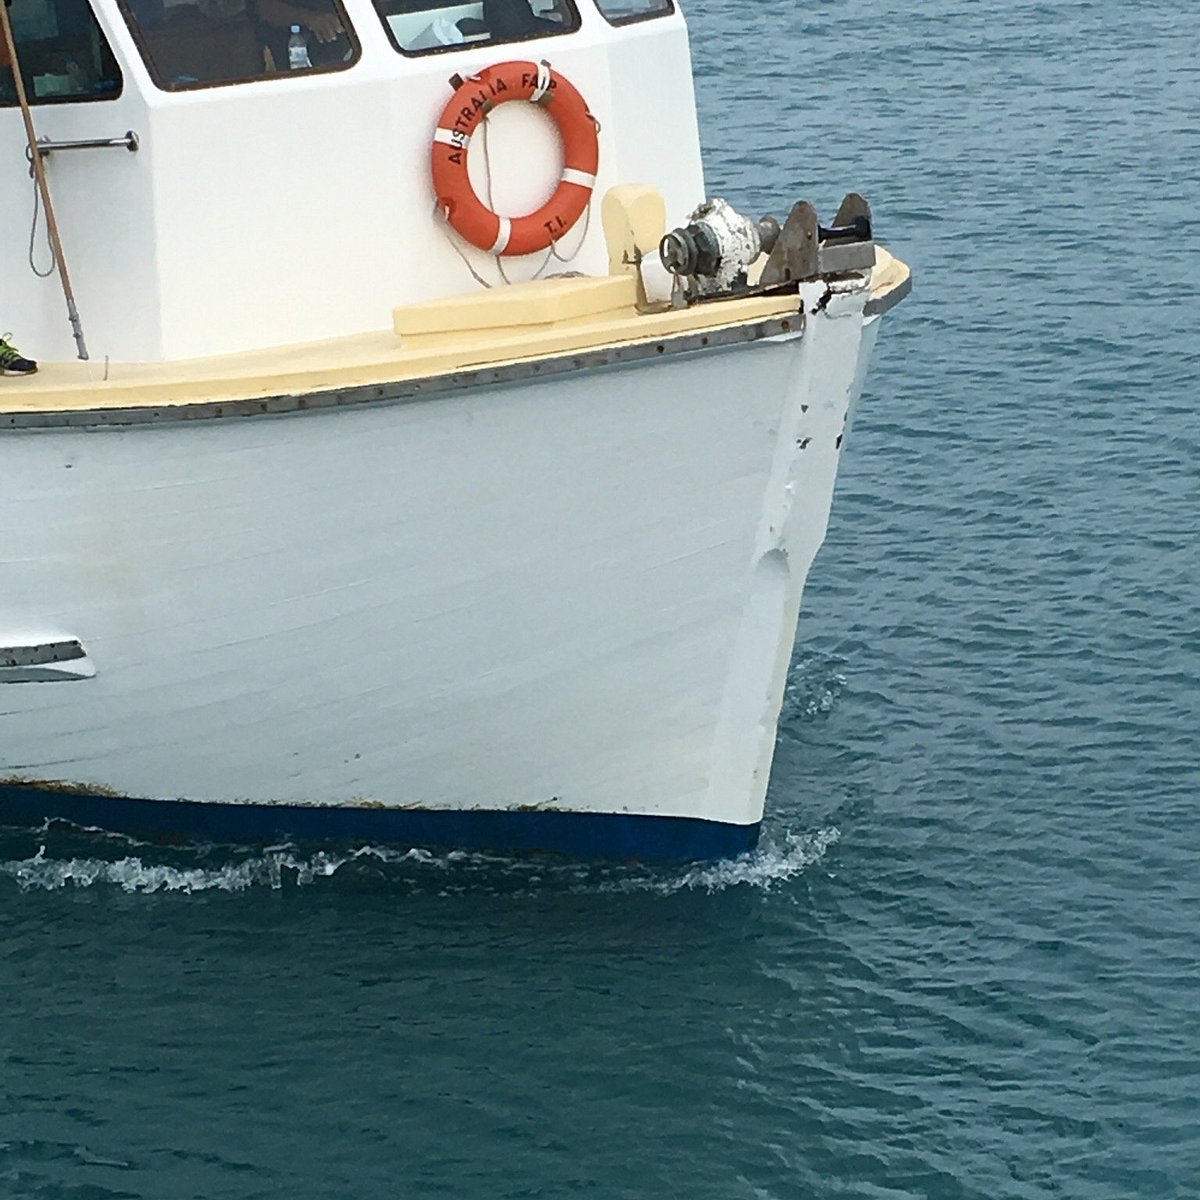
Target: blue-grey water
x=964, y=964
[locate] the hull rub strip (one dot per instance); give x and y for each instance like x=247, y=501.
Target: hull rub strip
x=407, y=390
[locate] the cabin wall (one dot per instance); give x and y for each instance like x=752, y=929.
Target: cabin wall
x=104, y=202
x=297, y=209
x=653, y=108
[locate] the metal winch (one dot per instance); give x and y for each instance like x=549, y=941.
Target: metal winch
x=716, y=246
x=713, y=253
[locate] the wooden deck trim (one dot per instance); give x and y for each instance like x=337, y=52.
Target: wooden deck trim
x=384, y=366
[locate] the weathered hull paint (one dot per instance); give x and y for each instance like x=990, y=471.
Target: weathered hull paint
x=576, y=596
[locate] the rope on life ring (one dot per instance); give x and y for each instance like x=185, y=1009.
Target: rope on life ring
x=473, y=99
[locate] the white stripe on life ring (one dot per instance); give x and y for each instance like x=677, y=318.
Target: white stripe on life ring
x=452, y=137
x=502, y=236
x=570, y=175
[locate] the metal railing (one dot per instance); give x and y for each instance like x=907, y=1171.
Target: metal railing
x=47, y=146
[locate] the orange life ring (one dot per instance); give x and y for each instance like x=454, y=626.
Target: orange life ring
x=472, y=101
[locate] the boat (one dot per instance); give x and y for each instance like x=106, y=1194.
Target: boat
x=418, y=453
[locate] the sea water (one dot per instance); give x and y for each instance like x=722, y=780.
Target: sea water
x=964, y=963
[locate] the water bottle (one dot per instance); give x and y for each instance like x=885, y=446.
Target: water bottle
x=298, y=59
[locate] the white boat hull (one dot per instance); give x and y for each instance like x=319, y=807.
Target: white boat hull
x=551, y=614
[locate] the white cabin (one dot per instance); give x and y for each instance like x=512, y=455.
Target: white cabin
x=266, y=206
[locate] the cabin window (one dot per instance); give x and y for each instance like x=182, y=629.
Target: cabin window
x=64, y=55
x=430, y=26
x=204, y=43
x=623, y=12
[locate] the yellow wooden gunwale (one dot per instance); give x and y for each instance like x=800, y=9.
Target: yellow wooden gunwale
x=554, y=318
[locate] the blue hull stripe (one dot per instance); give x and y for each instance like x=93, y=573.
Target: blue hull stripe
x=580, y=835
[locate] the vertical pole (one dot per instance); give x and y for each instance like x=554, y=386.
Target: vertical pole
x=39, y=172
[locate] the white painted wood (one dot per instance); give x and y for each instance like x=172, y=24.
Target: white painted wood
x=579, y=593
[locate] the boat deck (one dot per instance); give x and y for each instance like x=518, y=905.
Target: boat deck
x=548, y=319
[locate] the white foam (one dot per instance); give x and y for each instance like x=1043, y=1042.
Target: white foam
x=769, y=865
x=277, y=867
x=812, y=690
x=273, y=868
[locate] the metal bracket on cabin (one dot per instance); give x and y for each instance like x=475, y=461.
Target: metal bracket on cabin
x=44, y=662
x=46, y=146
